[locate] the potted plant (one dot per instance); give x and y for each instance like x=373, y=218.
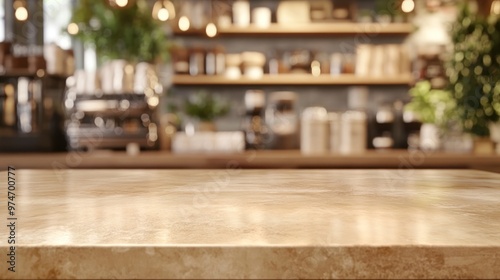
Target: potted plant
x=205, y=108
x=385, y=10
x=474, y=74
x=435, y=109
x=128, y=32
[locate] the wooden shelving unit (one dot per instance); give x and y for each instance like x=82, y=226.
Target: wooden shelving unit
x=312, y=29
x=291, y=79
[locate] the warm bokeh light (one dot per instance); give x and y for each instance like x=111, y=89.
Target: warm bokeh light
x=184, y=23
x=495, y=7
x=21, y=14
x=73, y=28
x=163, y=14
x=121, y=3
x=407, y=6
x=211, y=30
x=163, y=10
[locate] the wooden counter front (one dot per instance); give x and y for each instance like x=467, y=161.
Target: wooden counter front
x=393, y=159
x=271, y=224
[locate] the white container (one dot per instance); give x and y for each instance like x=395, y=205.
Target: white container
x=353, y=132
x=254, y=72
x=314, y=134
x=118, y=68
x=261, y=17
x=335, y=131
x=80, y=81
x=106, y=77
x=336, y=64
x=429, y=137
x=293, y=12
x=241, y=13
x=91, y=82
x=233, y=62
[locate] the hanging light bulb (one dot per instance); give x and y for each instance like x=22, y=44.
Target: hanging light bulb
x=163, y=14
x=163, y=10
x=184, y=23
x=121, y=3
x=408, y=6
x=21, y=13
x=495, y=7
x=211, y=30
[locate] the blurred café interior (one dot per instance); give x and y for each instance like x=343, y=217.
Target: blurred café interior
x=394, y=84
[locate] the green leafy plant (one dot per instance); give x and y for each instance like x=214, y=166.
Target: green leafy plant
x=473, y=70
x=120, y=32
x=387, y=7
x=205, y=107
x=431, y=105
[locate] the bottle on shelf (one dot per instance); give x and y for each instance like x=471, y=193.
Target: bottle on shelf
x=254, y=127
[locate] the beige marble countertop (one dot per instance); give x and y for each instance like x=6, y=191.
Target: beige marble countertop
x=237, y=223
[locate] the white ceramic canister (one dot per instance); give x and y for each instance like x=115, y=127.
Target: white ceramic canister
x=314, y=134
x=106, y=77
x=429, y=137
x=241, y=13
x=118, y=68
x=261, y=17
x=335, y=131
x=353, y=132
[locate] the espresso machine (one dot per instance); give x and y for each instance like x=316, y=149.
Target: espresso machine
x=102, y=115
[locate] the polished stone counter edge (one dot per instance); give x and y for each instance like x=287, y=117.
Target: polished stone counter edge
x=148, y=262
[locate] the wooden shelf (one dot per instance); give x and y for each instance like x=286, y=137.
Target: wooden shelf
x=313, y=29
x=292, y=79
x=26, y=73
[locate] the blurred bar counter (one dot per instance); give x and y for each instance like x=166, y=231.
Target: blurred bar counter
x=291, y=159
